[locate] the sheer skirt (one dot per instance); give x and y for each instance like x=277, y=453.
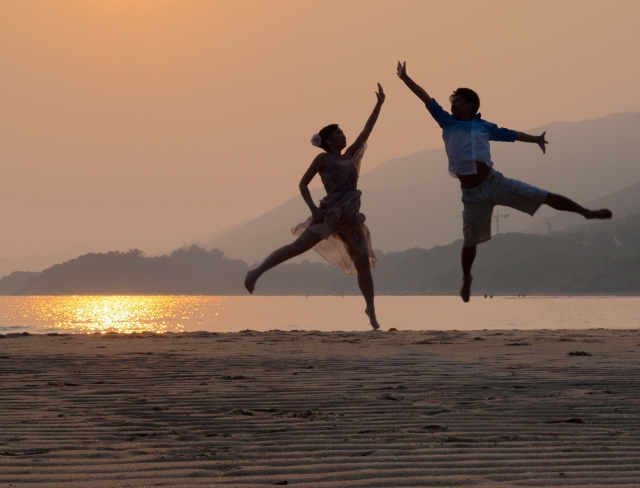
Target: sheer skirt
x=343, y=230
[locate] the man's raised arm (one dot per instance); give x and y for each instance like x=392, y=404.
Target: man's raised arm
x=413, y=86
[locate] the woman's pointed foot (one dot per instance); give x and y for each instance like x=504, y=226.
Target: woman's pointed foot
x=602, y=214
x=465, y=290
x=371, y=313
x=250, y=280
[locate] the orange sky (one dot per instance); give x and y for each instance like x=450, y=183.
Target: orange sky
x=147, y=123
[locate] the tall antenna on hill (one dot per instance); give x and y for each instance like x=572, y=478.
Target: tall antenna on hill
x=497, y=217
x=548, y=222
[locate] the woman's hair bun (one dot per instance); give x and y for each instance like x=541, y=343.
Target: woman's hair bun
x=316, y=140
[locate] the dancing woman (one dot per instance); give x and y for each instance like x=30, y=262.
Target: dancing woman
x=336, y=227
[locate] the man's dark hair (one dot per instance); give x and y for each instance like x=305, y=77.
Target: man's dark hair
x=325, y=133
x=469, y=95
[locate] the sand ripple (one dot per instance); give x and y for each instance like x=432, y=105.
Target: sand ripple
x=404, y=409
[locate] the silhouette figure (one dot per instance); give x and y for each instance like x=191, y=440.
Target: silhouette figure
x=466, y=138
x=336, y=227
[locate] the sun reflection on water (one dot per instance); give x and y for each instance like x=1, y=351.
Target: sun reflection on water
x=124, y=314
x=160, y=314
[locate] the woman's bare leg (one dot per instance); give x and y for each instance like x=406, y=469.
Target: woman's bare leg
x=365, y=282
x=302, y=244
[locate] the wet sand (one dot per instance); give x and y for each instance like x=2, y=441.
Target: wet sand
x=315, y=409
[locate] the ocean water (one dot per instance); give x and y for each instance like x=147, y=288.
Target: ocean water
x=100, y=314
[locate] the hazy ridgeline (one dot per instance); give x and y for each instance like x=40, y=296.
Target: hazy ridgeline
x=596, y=258
x=412, y=201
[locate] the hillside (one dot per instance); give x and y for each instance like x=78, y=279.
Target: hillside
x=15, y=282
x=413, y=202
x=621, y=203
x=598, y=258
x=192, y=271
x=37, y=263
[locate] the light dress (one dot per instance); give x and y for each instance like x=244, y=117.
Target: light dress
x=343, y=226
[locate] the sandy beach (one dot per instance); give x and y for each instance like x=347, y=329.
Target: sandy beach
x=315, y=409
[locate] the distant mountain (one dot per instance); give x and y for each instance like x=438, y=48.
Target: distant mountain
x=621, y=203
x=38, y=263
x=600, y=258
x=212, y=237
x=15, y=282
x=192, y=271
x=413, y=202
x=603, y=259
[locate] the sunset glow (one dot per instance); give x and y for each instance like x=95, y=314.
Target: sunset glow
x=123, y=314
x=265, y=242
x=135, y=121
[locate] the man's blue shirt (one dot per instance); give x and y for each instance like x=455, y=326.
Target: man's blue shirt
x=467, y=141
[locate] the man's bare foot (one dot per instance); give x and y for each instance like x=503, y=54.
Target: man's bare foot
x=602, y=214
x=371, y=313
x=250, y=281
x=465, y=291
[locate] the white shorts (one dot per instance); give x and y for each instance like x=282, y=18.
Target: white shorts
x=495, y=190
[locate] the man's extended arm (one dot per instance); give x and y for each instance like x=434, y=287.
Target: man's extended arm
x=539, y=140
x=413, y=86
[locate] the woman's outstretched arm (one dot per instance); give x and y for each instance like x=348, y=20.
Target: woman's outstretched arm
x=313, y=170
x=368, y=127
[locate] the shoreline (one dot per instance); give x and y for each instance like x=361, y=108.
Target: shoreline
x=257, y=294
x=321, y=409
x=232, y=314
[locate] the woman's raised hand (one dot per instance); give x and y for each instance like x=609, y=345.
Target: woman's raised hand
x=368, y=127
x=380, y=94
x=401, y=70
